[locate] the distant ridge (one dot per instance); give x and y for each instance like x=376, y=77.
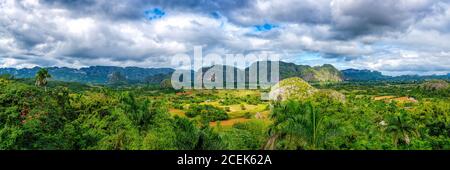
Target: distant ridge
x=324, y=73
x=93, y=74
x=104, y=74
x=132, y=75
x=362, y=75
x=368, y=75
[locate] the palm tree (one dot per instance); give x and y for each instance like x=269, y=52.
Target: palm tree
x=300, y=124
x=41, y=78
x=401, y=127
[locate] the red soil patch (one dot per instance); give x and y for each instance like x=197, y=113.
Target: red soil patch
x=406, y=99
x=184, y=93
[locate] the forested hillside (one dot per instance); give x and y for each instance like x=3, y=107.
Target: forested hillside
x=94, y=74
x=134, y=75
x=368, y=75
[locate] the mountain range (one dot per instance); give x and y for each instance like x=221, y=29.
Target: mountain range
x=368, y=75
x=93, y=74
x=112, y=74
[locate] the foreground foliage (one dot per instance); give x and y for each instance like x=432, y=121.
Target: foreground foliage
x=67, y=116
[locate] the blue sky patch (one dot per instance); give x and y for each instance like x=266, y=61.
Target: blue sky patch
x=216, y=15
x=265, y=27
x=155, y=13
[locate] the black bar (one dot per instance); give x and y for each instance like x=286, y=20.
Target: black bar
x=170, y=159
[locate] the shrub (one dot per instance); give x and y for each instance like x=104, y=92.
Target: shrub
x=243, y=107
x=207, y=112
x=247, y=115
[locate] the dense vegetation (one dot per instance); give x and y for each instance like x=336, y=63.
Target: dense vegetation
x=95, y=74
x=42, y=114
x=207, y=113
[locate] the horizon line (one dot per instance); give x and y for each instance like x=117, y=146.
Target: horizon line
x=86, y=67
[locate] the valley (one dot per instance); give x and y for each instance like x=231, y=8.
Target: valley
x=374, y=115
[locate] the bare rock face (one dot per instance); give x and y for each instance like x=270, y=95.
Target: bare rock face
x=435, y=85
x=297, y=89
x=165, y=84
x=292, y=88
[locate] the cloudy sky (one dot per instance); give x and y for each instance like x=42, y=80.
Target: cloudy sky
x=392, y=36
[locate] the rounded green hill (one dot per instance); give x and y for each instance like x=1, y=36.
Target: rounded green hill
x=291, y=88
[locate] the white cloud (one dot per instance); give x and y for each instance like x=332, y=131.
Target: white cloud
x=391, y=36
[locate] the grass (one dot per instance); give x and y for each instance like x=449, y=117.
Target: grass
x=237, y=112
x=383, y=97
x=403, y=99
x=177, y=112
x=229, y=122
x=237, y=93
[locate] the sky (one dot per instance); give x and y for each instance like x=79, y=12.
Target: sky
x=395, y=37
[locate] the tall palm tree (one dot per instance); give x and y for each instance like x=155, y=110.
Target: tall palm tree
x=300, y=124
x=41, y=78
x=401, y=127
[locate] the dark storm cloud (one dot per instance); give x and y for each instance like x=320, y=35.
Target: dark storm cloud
x=348, y=19
x=203, y=5
x=357, y=18
x=110, y=9
x=134, y=9
x=287, y=11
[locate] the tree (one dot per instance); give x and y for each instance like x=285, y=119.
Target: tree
x=300, y=125
x=41, y=78
x=187, y=134
x=400, y=125
x=208, y=113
